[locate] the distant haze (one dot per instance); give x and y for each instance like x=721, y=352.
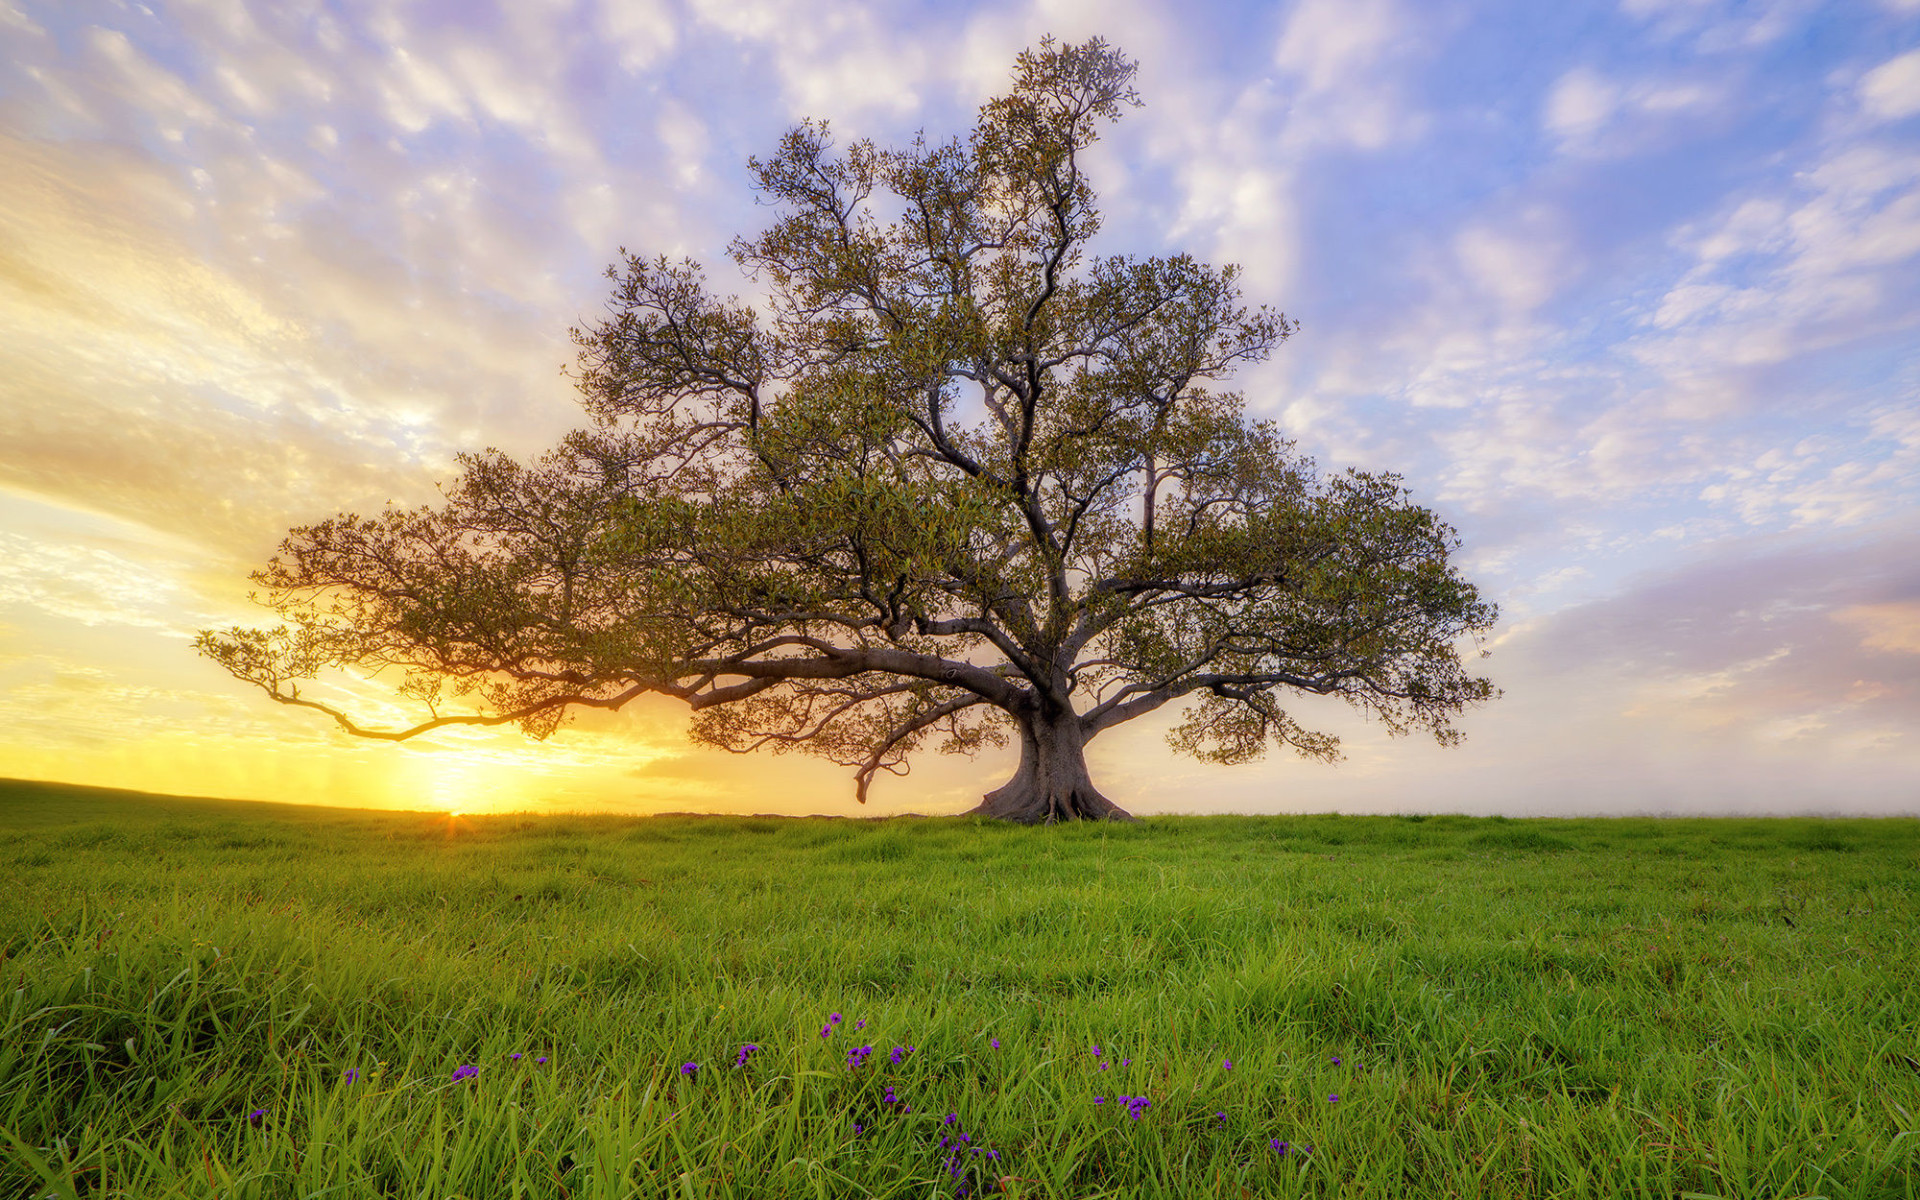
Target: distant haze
x=1628, y=292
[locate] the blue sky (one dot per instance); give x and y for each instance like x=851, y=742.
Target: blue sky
x=1628, y=291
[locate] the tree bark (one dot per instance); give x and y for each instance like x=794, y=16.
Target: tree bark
x=1052, y=783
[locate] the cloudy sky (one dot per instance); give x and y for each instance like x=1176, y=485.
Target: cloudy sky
x=1628, y=290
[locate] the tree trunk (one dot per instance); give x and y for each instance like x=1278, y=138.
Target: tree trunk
x=1052, y=783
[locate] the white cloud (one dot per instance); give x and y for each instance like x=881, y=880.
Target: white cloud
x=1236, y=187
x=684, y=136
x=1338, y=55
x=11, y=15
x=1720, y=26
x=1892, y=90
x=164, y=97
x=1893, y=627
x=1590, y=113
x=88, y=584
x=643, y=31
x=839, y=62
x=1580, y=103
x=1519, y=263
x=1327, y=43
x=417, y=91
x=1787, y=274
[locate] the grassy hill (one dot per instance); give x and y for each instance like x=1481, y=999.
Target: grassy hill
x=32, y=804
x=204, y=997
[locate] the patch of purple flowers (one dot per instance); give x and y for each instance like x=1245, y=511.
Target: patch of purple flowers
x=465, y=1071
x=689, y=1068
x=746, y=1051
x=857, y=1057
x=1136, y=1105
x=961, y=1152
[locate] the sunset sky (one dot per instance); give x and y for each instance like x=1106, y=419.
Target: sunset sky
x=1629, y=292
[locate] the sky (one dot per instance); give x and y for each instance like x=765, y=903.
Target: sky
x=1628, y=291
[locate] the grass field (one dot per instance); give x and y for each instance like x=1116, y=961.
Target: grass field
x=209, y=999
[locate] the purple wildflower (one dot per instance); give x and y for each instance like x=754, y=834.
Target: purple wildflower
x=1220, y=1117
x=515, y=1056
x=1096, y=1052
x=1333, y=1099
x=833, y=1018
x=256, y=1116
x=951, y=1118
x=465, y=1071
x=858, y=1129
x=688, y=1068
x=860, y=1024
x=745, y=1050
x=350, y=1075
x=1277, y=1144
x=1126, y=1062
x=994, y=1042
x=1336, y=1060
x=1099, y=1099
x=541, y=1061
x=1106, y=1066
x=1226, y=1064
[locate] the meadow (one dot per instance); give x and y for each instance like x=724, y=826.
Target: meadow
x=238, y=1000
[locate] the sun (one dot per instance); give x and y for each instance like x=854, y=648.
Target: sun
x=461, y=785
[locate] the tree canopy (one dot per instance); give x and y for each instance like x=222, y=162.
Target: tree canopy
x=959, y=480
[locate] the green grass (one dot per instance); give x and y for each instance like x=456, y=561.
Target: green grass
x=1522, y=1008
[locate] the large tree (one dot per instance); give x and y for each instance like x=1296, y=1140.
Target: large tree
x=959, y=480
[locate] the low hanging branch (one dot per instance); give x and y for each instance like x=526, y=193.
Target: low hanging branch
x=961, y=483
